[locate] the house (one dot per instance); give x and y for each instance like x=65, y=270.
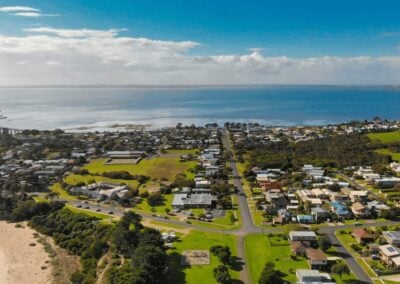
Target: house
x=363, y=236
x=340, y=210
x=197, y=200
x=319, y=214
x=316, y=258
x=388, y=182
x=298, y=248
x=358, y=195
x=359, y=210
x=277, y=199
x=392, y=237
x=305, y=219
x=307, y=236
x=309, y=276
x=387, y=252
x=211, y=170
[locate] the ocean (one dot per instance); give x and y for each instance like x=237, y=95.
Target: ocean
x=100, y=108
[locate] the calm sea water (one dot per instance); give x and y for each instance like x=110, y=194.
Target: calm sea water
x=49, y=108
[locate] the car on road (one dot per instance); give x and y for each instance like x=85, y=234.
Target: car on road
x=87, y=207
x=78, y=206
x=98, y=210
x=110, y=212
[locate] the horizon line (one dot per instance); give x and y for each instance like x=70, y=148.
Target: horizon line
x=197, y=85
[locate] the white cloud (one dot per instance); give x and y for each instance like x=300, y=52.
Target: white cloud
x=23, y=11
x=18, y=9
x=33, y=14
x=85, y=56
x=69, y=33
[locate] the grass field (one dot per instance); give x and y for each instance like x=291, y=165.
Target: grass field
x=156, y=168
x=259, y=251
x=201, y=273
x=63, y=194
x=395, y=156
x=385, y=137
x=74, y=179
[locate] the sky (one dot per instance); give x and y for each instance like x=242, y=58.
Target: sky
x=172, y=42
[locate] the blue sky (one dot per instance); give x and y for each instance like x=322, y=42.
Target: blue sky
x=293, y=29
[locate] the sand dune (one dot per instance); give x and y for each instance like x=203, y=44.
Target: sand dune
x=19, y=261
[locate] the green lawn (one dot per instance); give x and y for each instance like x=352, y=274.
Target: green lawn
x=385, y=137
x=63, y=194
x=144, y=206
x=259, y=251
x=73, y=179
x=395, y=156
x=200, y=274
x=156, y=168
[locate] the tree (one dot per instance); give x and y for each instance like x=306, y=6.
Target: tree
x=149, y=264
x=222, y=252
x=324, y=243
x=155, y=199
x=340, y=269
x=221, y=275
x=232, y=217
x=270, y=275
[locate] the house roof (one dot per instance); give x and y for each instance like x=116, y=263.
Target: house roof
x=302, y=234
x=389, y=250
x=315, y=254
x=358, y=206
x=296, y=245
x=362, y=234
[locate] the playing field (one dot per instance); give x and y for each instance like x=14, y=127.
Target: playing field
x=156, y=168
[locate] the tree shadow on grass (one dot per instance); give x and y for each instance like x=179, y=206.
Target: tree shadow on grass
x=176, y=274
x=236, y=263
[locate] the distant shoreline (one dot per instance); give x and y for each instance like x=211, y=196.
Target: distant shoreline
x=211, y=86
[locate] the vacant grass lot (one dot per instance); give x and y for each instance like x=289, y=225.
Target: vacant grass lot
x=156, y=168
x=200, y=274
x=395, y=156
x=385, y=137
x=259, y=251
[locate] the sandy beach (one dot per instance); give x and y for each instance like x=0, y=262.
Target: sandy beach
x=19, y=261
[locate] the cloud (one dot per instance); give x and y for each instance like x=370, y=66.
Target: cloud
x=34, y=15
x=23, y=11
x=87, y=56
x=69, y=33
x=9, y=9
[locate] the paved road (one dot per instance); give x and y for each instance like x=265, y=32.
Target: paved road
x=248, y=224
x=345, y=254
